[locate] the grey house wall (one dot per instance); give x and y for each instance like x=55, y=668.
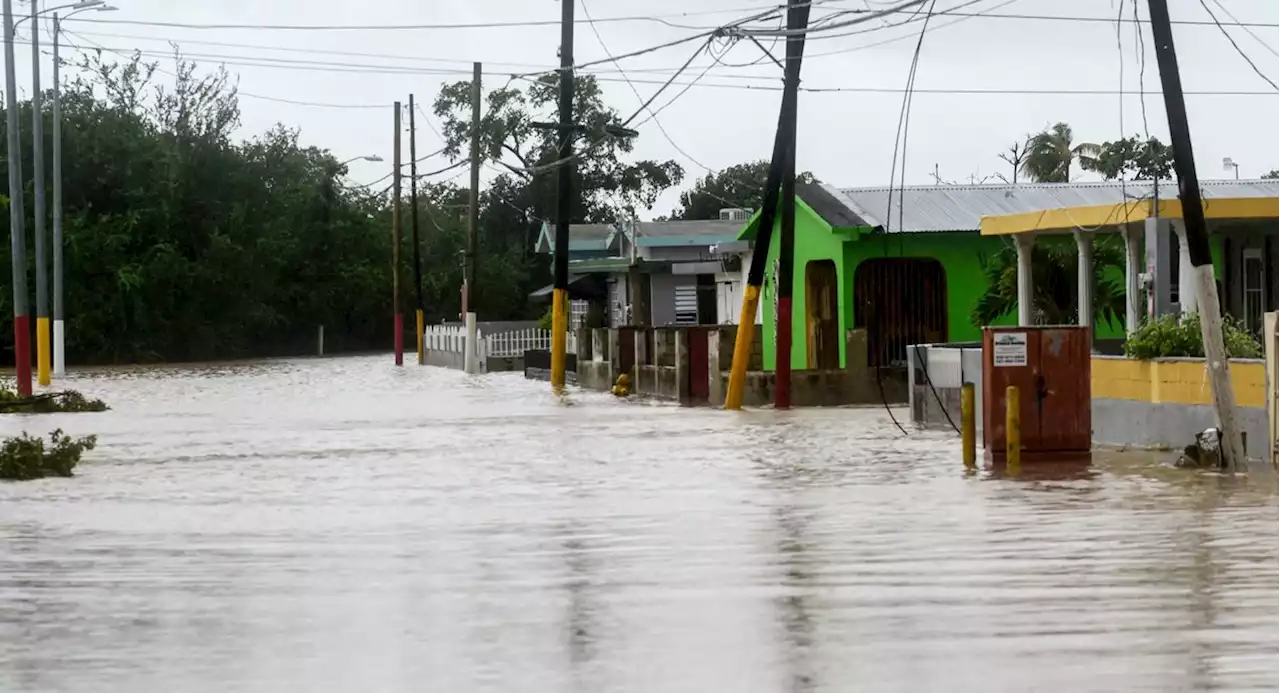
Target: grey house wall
x=662, y=295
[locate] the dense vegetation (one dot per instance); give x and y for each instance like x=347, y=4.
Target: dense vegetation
x=1179, y=335
x=185, y=243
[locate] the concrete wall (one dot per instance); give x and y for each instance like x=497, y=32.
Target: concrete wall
x=1164, y=403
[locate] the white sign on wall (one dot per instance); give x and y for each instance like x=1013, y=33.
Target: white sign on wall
x=1009, y=349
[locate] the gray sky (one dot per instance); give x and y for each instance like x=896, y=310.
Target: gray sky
x=846, y=138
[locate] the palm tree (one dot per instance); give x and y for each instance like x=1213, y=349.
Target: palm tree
x=1051, y=152
x=1053, y=278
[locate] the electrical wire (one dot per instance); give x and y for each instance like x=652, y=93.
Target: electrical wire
x=1246, y=27
x=1142, y=70
x=1236, y=46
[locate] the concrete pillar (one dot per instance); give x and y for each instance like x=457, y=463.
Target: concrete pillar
x=1026, y=292
x=1186, y=271
x=1084, y=278
x=715, y=377
x=615, y=355
x=1159, y=265
x=471, y=348
x=681, y=356
x=1132, y=285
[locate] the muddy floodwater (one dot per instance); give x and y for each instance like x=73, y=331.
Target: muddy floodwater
x=343, y=525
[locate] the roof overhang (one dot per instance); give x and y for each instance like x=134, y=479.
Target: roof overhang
x=1068, y=219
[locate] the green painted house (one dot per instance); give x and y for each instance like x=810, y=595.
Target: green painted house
x=909, y=271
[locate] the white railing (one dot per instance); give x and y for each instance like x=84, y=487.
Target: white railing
x=447, y=338
x=516, y=342
x=453, y=339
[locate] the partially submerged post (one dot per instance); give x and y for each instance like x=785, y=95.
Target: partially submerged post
x=968, y=423
x=1197, y=237
x=1013, y=429
x=797, y=18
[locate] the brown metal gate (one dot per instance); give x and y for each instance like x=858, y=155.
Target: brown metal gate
x=899, y=301
x=699, y=364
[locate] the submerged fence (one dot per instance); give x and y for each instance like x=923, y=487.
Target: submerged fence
x=446, y=345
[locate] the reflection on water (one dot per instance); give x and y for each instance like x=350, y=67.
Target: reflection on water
x=336, y=525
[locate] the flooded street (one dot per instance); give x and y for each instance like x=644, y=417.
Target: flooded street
x=341, y=525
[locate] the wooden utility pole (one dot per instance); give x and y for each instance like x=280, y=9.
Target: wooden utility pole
x=398, y=318
x=473, y=213
x=1197, y=237
x=564, y=200
x=419, y=318
x=764, y=236
x=798, y=20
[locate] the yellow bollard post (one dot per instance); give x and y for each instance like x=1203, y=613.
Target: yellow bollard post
x=1012, y=429
x=422, y=354
x=742, y=348
x=967, y=426
x=559, y=327
x=42, y=351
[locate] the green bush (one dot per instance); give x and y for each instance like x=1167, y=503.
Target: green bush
x=1179, y=335
x=25, y=458
x=49, y=402
x=544, y=322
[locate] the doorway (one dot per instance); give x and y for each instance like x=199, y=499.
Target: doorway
x=899, y=301
x=821, y=287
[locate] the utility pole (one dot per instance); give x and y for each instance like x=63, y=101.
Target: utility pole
x=17, y=240
x=59, y=328
x=419, y=319
x=398, y=318
x=564, y=200
x=1197, y=237
x=798, y=19
x=473, y=221
x=37, y=171
x=764, y=233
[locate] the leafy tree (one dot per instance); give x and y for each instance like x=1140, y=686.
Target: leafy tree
x=1054, y=280
x=605, y=185
x=1052, y=152
x=1132, y=158
x=737, y=186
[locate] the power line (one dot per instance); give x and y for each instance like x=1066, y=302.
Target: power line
x=1236, y=46
x=1246, y=28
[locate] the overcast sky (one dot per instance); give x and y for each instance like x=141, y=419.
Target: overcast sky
x=845, y=138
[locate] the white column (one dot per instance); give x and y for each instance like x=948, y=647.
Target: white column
x=1026, y=293
x=1084, y=279
x=470, y=348
x=1186, y=271
x=1132, y=269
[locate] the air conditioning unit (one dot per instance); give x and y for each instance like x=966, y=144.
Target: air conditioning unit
x=735, y=214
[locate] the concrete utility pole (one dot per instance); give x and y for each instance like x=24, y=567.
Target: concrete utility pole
x=564, y=200
x=17, y=240
x=37, y=171
x=473, y=224
x=797, y=20
x=59, y=328
x=1197, y=237
x=419, y=319
x=759, y=258
x=398, y=318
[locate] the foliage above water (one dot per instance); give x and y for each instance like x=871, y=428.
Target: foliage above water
x=1054, y=279
x=24, y=458
x=1179, y=336
x=49, y=402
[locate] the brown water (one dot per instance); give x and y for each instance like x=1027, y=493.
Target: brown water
x=340, y=525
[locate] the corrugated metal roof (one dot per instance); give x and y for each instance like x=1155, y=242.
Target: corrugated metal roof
x=926, y=208
x=654, y=230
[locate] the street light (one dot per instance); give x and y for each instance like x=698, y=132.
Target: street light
x=1228, y=164
x=369, y=157
x=59, y=328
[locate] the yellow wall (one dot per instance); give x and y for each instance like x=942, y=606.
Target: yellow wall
x=1174, y=382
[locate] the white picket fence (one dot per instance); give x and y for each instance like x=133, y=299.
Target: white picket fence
x=453, y=339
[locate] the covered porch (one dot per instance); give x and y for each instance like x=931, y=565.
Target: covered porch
x=1242, y=220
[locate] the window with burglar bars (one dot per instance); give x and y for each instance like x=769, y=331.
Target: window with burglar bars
x=899, y=301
